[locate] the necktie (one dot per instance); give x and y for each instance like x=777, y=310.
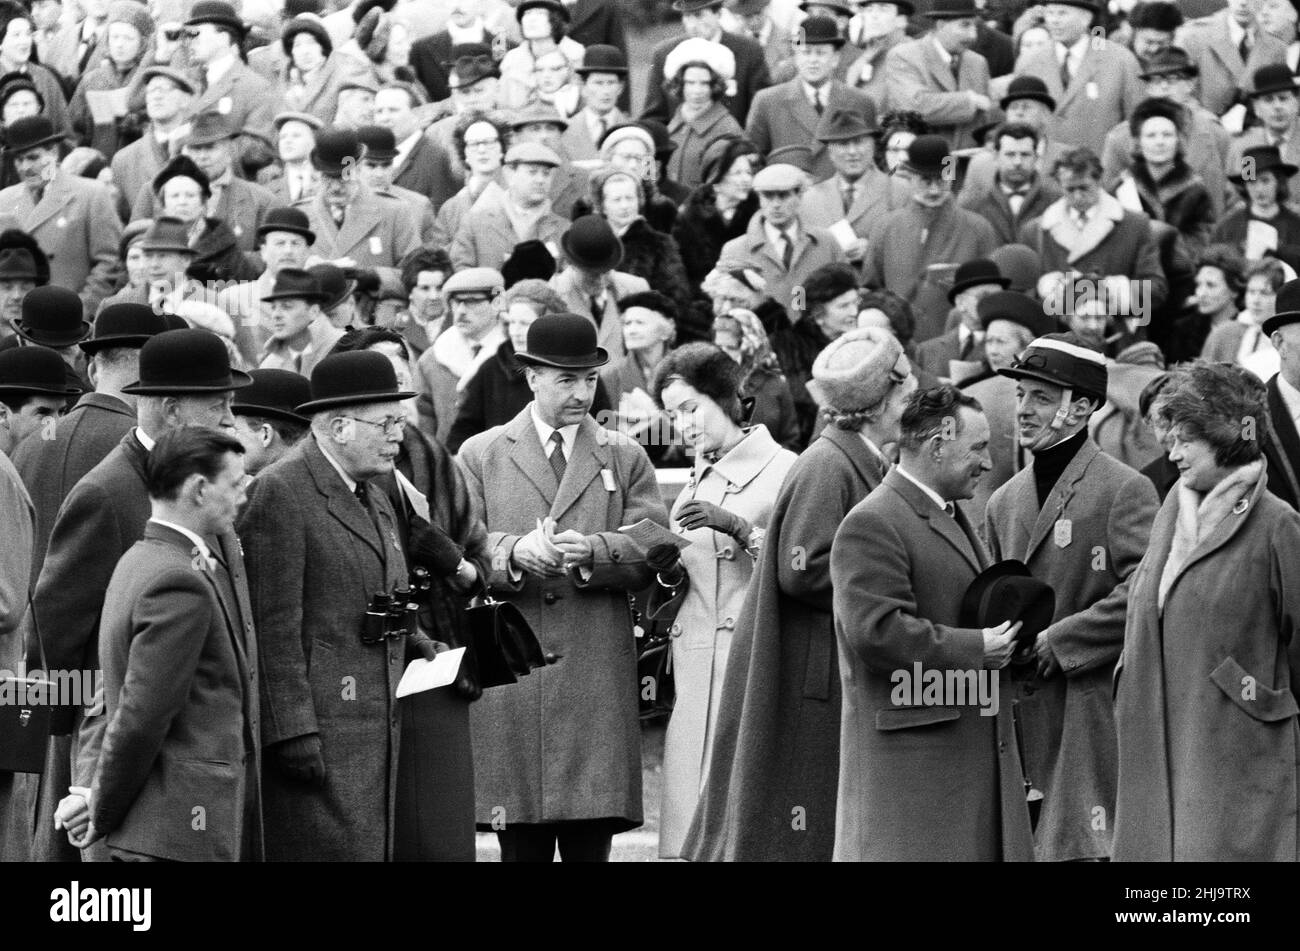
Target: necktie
x=787, y=249
x=363, y=496
x=297, y=368
x=558, y=465
x=956, y=69
x=1244, y=46
x=338, y=212
x=87, y=51
x=1065, y=70
x=600, y=129
x=817, y=101
x=850, y=195
x=597, y=310
x=968, y=346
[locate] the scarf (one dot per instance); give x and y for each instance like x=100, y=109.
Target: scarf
x=524, y=220
x=1200, y=514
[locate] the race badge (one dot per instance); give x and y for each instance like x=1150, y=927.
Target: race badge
x=224, y=105
x=1063, y=532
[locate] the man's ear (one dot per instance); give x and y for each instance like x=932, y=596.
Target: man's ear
x=266, y=435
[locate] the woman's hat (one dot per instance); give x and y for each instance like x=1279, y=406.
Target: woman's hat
x=553, y=5
x=133, y=14
x=974, y=273
x=351, y=379
x=1006, y=591
x=855, y=371
x=1155, y=15
x=567, y=341
x=720, y=60
x=1061, y=360
x=1262, y=158
x=274, y=394
x=52, y=317
x=591, y=243
x=123, y=325
x=36, y=370
x=30, y=132
x=181, y=166
x=186, y=361
x=1154, y=108
x=310, y=25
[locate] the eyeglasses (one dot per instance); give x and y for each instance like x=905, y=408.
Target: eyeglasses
x=173, y=34
x=470, y=299
x=389, y=424
x=191, y=34
x=481, y=143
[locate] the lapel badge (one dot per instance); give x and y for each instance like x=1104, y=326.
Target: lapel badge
x=62, y=222
x=1240, y=507
x=1062, y=532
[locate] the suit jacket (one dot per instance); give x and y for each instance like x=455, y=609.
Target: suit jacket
x=134, y=168
x=1067, y=728
x=877, y=194
x=427, y=58
x=76, y=224
x=610, y=324
x=1255, y=137
x=180, y=688
x=981, y=174
x=929, y=782
x=320, y=96
x=935, y=354
x=430, y=170
x=249, y=101
x=564, y=743
x=315, y=559
x=751, y=76
x=867, y=72
x=995, y=207
x=243, y=205
x=1224, y=76
x=486, y=237
x=274, y=179
x=813, y=248
x=783, y=115
x=1103, y=91
x=51, y=467
x=917, y=78
x=376, y=232
x=577, y=141
x=1282, y=447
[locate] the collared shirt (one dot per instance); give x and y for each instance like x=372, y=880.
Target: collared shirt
x=964, y=333
x=474, y=33
x=219, y=68
x=404, y=148
x=597, y=126
x=200, y=545
x=943, y=53
x=1073, y=54
x=775, y=234
x=1080, y=219
x=145, y=439
x=817, y=95
x=298, y=181
x=932, y=495
x=568, y=434
x=350, y=482
x=1290, y=397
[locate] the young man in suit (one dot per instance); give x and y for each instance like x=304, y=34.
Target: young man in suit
x=180, y=677
x=1027, y=102
x=964, y=344
x=1019, y=192
x=603, y=76
x=168, y=95
x=1080, y=520
x=490, y=230
x=933, y=782
x=557, y=756
x=1228, y=47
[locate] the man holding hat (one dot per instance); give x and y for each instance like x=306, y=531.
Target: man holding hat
x=1276, y=101
x=1080, y=520
x=168, y=95
x=522, y=212
x=1282, y=438
x=590, y=282
x=1093, y=80
x=915, y=250
x=779, y=724
x=557, y=756
x=603, y=76
x=301, y=335
x=1229, y=47
x=322, y=542
x=266, y=417
x=443, y=370
x=72, y=218
x=940, y=76
x=784, y=247
x=939, y=781
x=793, y=112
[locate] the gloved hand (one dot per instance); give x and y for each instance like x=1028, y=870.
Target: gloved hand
x=700, y=514
x=300, y=758
x=665, y=561
x=433, y=548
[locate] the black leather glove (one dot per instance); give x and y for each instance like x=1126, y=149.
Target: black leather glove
x=434, y=549
x=666, y=562
x=700, y=514
x=301, y=759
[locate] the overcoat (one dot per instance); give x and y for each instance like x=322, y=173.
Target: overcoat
x=693, y=138
x=1224, y=76
x=1085, y=542
x=812, y=248
x=745, y=482
x=653, y=255
x=249, y=101
x=1103, y=91
x=134, y=167
x=320, y=95
x=876, y=195
x=1208, y=149
x=16, y=790
x=564, y=743
x=375, y=233
x=918, y=79
x=1282, y=447
x=995, y=208
x=784, y=115
x=917, y=783
x=487, y=237
x=1205, y=706
x=241, y=208
x=315, y=559
x=777, y=748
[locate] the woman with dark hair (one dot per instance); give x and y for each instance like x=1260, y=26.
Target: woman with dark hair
x=1220, y=284
x=720, y=208
x=699, y=73
x=181, y=190
x=18, y=55
x=1160, y=182
x=128, y=49
x=898, y=129
x=542, y=25
x=736, y=474
x=1162, y=473
x=479, y=139
x=1243, y=341
x=313, y=71
x=1267, y=190
x=1205, y=709
x=740, y=335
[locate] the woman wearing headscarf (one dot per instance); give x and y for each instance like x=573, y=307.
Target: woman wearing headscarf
x=1206, y=717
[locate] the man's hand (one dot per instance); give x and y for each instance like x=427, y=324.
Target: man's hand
x=576, y=549
x=535, y=555
x=1048, y=666
x=1000, y=644
x=431, y=649
x=979, y=100
x=856, y=251
x=73, y=813
x=301, y=759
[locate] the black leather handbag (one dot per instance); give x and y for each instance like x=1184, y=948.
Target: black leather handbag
x=656, y=689
x=502, y=645
x=25, y=716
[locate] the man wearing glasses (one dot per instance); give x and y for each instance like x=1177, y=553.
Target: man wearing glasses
x=321, y=544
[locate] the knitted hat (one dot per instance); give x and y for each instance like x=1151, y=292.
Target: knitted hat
x=856, y=371
x=132, y=13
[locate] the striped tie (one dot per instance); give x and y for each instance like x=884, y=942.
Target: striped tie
x=558, y=465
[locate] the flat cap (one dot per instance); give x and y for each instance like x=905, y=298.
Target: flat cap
x=532, y=153
x=474, y=280
x=779, y=178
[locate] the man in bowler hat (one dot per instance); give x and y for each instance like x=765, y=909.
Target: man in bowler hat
x=1282, y=438
x=53, y=317
x=266, y=417
x=557, y=756
x=322, y=542
x=590, y=282
x=301, y=334
x=1080, y=520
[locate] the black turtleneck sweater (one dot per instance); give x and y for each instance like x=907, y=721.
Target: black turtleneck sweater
x=1049, y=463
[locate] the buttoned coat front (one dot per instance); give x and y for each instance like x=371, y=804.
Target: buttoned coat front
x=693, y=138
x=1104, y=90
x=1085, y=542
x=783, y=115
x=564, y=743
x=377, y=233
x=918, y=782
x=918, y=79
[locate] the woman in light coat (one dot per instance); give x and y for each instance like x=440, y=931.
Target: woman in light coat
x=1205, y=709
x=722, y=511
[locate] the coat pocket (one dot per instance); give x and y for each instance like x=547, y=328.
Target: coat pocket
x=905, y=718
x=1251, y=695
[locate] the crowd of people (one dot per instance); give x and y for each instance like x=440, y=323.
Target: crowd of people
x=901, y=399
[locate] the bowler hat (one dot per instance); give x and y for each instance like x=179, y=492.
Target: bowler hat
x=292, y=220
x=216, y=12
x=720, y=60
x=1061, y=360
x=186, y=361
x=310, y=25
x=1027, y=87
x=293, y=283
x=274, y=394
x=178, y=78
x=335, y=287
x=600, y=58
x=336, y=151
x=928, y=156
x=168, y=234
x=209, y=127
x=471, y=63
x=529, y=259
x=952, y=10
x=694, y=6
x=1006, y=591
x=843, y=9
x=34, y=370
x=856, y=370
x=567, y=341
x=123, y=325
x=52, y=317
x=15, y=82
x=351, y=379
x=380, y=143
x=973, y=273
x=30, y=132
x=1263, y=158
x=1017, y=308
x=1169, y=62
x=839, y=125
x=820, y=31
x=591, y=243
x=1275, y=77
x=553, y=5
x=1155, y=15
x=1286, y=307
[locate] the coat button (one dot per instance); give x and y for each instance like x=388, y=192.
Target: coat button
x=676, y=629
x=727, y=553
x=549, y=597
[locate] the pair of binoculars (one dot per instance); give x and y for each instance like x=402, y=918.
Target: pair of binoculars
x=389, y=616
